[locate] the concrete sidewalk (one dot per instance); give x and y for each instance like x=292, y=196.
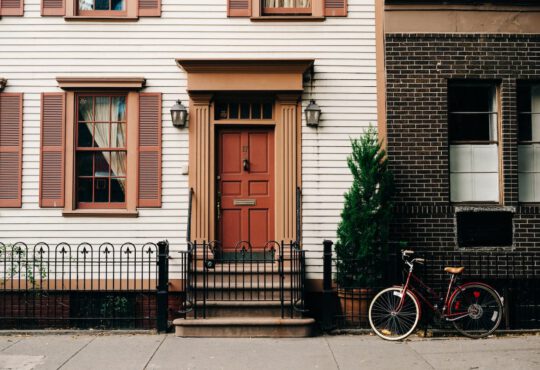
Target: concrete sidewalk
x=326, y=352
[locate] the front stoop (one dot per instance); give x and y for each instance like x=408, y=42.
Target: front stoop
x=245, y=327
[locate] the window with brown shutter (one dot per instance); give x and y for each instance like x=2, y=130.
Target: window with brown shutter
x=261, y=10
x=11, y=7
x=101, y=9
x=10, y=149
x=112, y=147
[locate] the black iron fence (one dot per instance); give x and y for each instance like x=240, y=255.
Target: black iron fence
x=516, y=276
x=84, y=286
x=211, y=273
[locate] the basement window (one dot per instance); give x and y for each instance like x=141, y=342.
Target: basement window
x=473, y=137
x=484, y=228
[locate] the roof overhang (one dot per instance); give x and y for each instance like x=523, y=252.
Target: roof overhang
x=245, y=74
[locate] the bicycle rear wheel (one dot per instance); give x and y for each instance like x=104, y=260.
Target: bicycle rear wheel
x=482, y=308
x=388, y=322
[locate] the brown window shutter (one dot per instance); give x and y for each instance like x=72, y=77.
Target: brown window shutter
x=239, y=8
x=149, y=8
x=51, y=191
x=11, y=7
x=150, y=150
x=335, y=8
x=53, y=8
x=10, y=149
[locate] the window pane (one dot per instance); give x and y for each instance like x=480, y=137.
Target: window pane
x=102, y=160
x=102, y=4
x=220, y=111
x=86, y=4
x=244, y=110
x=84, y=190
x=118, y=190
x=470, y=126
x=103, y=109
x=118, y=135
x=233, y=110
x=84, y=135
x=101, y=190
x=256, y=111
x=86, y=112
x=472, y=112
x=267, y=110
x=118, y=108
x=118, y=163
x=117, y=5
x=84, y=164
x=101, y=135
x=470, y=98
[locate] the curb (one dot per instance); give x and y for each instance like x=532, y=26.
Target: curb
x=75, y=332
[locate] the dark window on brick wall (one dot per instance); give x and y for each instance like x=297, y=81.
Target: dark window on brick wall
x=484, y=229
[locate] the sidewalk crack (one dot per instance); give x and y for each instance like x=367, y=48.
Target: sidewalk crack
x=76, y=352
x=332, y=352
x=155, y=351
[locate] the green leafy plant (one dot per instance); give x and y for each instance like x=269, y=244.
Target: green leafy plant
x=114, y=306
x=363, y=230
x=21, y=265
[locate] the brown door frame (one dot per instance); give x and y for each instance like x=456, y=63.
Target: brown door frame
x=202, y=166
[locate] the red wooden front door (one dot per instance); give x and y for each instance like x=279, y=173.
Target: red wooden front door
x=245, y=186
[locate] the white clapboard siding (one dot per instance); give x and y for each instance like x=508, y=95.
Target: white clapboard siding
x=34, y=50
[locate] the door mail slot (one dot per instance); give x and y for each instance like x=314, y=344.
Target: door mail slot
x=244, y=202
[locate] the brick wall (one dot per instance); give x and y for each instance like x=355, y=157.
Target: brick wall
x=418, y=69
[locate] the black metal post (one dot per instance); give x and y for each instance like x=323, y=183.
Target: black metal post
x=163, y=286
x=328, y=306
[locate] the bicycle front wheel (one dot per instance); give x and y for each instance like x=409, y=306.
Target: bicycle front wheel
x=481, y=308
x=387, y=320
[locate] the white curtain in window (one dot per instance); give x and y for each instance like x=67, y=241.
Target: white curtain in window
x=101, y=131
x=287, y=3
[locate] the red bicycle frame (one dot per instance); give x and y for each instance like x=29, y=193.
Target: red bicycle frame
x=445, y=311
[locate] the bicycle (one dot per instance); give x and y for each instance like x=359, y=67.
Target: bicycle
x=474, y=308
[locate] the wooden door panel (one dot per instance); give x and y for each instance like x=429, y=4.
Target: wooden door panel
x=231, y=227
x=258, y=227
x=258, y=152
x=246, y=192
x=230, y=153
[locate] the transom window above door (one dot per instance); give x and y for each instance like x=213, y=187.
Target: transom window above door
x=101, y=154
x=91, y=7
x=279, y=7
x=243, y=110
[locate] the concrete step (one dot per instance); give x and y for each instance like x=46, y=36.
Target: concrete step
x=244, y=309
x=244, y=327
x=234, y=280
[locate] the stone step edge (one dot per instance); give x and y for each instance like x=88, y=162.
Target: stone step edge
x=243, y=321
x=213, y=303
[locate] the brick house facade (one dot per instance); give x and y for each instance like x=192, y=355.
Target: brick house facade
x=419, y=68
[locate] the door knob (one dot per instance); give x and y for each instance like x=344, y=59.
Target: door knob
x=245, y=165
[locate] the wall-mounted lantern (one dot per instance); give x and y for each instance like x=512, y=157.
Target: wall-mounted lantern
x=179, y=114
x=313, y=114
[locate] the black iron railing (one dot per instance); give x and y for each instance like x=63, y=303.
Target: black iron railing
x=515, y=275
x=83, y=286
x=213, y=274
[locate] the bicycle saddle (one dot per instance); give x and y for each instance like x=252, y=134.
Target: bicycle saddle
x=454, y=270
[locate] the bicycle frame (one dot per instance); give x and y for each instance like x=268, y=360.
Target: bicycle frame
x=444, y=311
